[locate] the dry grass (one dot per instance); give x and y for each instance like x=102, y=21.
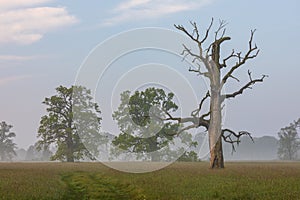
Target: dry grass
x=177, y=181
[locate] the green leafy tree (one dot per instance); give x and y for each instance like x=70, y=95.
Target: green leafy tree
x=7, y=146
x=289, y=141
x=141, y=117
x=72, y=121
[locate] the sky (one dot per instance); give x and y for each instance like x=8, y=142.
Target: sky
x=43, y=43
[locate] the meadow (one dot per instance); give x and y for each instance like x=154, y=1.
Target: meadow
x=256, y=180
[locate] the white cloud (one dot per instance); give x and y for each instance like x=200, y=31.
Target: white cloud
x=7, y=80
x=132, y=10
x=15, y=58
x=8, y=4
x=25, y=25
x=131, y=4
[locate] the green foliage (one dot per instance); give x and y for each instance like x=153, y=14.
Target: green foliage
x=72, y=121
x=140, y=118
x=289, y=141
x=7, y=146
x=84, y=186
x=190, y=156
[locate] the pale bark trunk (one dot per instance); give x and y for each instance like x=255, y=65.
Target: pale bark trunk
x=214, y=131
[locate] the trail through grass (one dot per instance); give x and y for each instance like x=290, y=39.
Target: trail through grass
x=177, y=182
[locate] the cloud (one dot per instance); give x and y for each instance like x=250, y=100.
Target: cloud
x=132, y=10
x=21, y=23
x=8, y=4
x=15, y=58
x=7, y=80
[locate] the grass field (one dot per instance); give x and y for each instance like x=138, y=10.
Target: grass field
x=177, y=181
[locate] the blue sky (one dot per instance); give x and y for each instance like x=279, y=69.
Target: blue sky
x=44, y=42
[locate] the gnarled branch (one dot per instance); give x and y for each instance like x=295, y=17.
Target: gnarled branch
x=252, y=53
x=222, y=24
x=246, y=86
x=199, y=42
x=197, y=111
x=234, y=138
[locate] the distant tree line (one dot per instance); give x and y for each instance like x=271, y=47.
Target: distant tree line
x=73, y=120
x=63, y=132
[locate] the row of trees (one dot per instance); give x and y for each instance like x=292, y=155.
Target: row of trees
x=8, y=149
x=59, y=126
x=138, y=116
x=73, y=119
x=61, y=129
x=289, y=141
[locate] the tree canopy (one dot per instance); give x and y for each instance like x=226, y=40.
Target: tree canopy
x=140, y=117
x=72, y=121
x=289, y=141
x=7, y=146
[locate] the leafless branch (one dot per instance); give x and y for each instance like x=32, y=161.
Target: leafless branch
x=246, y=86
x=205, y=115
x=215, y=54
x=222, y=24
x=186, y=51
x=235, y=78
x=196, y=121
x=234, y=138
x=195, y=36
x=199, y=72
x=196, y=39
x=197, y=111
x=251, y=53
x=187, y=128
x=207, y=31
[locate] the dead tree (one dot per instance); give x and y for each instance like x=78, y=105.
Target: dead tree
x=218, y=72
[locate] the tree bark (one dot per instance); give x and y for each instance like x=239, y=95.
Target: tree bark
x=215, y=129
x=69, y=153
x=211, y=59
x=70, y=144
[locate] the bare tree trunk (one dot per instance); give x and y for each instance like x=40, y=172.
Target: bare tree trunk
x=214, y=64
x=215, y=129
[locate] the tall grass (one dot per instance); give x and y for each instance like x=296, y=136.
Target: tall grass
x=177, y=181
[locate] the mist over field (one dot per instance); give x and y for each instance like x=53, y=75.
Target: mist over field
x=262, y=149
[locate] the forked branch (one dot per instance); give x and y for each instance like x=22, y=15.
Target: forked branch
x=195, y=31
x=195, y=121
x=195, y=36
x=252, y=53
x=246, y=86
x=197, y=111
x=234, y=138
